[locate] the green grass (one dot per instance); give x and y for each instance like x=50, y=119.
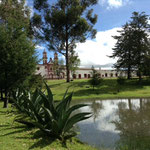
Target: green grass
x=18, y=137
x=108, y=89
x=14, y=136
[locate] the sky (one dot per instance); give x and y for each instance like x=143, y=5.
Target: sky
x=112, y=15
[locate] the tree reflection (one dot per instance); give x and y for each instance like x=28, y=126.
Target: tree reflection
x=134, y=125
x=96, y=108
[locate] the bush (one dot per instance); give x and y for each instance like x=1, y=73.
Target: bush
x=55, y=119
x=121, y=80
x=95, y=80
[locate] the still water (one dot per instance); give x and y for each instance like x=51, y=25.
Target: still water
x=122, y=124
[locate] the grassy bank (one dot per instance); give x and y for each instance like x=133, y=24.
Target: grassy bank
x=14, y=136
x=108, y=89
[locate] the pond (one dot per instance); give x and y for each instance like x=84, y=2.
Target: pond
x=122, y=124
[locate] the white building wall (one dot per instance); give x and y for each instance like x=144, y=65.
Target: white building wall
x=103, y=73
x=83, y=73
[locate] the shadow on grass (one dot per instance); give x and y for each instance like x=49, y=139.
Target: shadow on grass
x=43, y=140
x=41, y=143
x=23, y=129
x=107, y=89
x=55, y=85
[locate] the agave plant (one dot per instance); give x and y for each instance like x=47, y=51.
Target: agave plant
x=55, y=119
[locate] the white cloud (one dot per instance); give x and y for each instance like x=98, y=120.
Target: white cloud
x=96, y=52
x=114, y=3
x=39, y=47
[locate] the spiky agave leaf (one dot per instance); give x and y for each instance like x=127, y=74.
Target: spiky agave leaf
x=76, y=118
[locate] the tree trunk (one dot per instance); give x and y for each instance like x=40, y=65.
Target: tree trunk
x=6, y=99
x=129, y=72
x=67, y=68
x=141, y=104
x=67, y=57
x=129, y=103
x=140, y=77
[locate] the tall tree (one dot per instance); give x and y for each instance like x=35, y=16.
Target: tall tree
x=64, y=24
x=133, y=47
x=141, y=44
x=123, y=50
x=18, y=60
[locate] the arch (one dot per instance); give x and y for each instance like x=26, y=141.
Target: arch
x=111, y=75
x=79, y=76
x=85, y=75
x=116, y=74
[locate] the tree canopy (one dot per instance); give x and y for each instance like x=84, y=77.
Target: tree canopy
x=64, y=24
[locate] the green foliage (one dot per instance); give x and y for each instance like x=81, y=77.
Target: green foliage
x=17, y=51
x=74, y=62
x=64, y=24
x=120, y=80
x=95, y=80
x=16, y=136
x=56, y=119
x=133, y=47
x=58, y=67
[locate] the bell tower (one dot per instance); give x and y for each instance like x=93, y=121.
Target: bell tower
x=56, y=57
x=44, y=57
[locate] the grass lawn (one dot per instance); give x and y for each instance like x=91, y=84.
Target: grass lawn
x=14, y=136
x=108, y=89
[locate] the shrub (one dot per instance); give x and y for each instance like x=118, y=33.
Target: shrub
x=120, y=80
x=95, y=80
x=55, y=119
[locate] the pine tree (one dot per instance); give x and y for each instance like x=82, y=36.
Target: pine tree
x=123, y=50
x=64, y=24
x=133, y=48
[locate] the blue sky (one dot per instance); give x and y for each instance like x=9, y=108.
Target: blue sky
x=112, y=14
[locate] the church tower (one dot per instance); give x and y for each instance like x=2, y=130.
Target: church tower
x=56, y=57
x=44, y=57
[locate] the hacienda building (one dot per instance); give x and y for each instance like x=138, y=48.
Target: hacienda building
x=48, y=70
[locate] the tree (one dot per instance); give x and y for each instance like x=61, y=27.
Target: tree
x=95, y=79
x=74, y=62
x=133, y=47
x=17, y=51
x=124, y=50
x=58, y=67
x=141, y=44
x=64, y=24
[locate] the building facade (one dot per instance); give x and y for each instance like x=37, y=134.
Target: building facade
x=51, y=70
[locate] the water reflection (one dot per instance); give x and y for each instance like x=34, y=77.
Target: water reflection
x=134, y=125
x=117, y=124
